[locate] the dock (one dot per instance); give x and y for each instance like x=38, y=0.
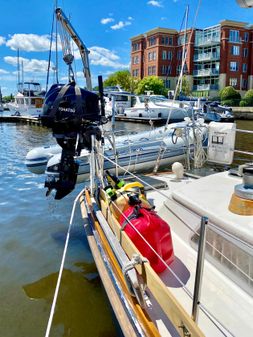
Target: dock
x=139, y=119
x=21, y=119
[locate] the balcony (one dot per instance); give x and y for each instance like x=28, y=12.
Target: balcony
x=206, y=57
x=206, y=72
x=205, y=87
x=207, y=41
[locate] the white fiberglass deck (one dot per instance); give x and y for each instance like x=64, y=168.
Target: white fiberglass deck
x=224, y=299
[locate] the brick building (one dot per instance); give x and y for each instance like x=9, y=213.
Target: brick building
x=217, y=56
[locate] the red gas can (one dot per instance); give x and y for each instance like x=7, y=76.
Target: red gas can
x=155, y=231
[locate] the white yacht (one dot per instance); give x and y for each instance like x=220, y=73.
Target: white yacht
x=28, y=101
x=157, y=106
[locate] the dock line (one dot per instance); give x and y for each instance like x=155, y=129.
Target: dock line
x=50, y=320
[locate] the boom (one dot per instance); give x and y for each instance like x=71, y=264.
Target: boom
x=84, y=52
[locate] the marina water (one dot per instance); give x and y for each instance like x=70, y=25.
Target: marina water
x=33, y=230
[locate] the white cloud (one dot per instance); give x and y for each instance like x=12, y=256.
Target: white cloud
x=29, y=42
x=155, y=3
x=105, y=21
x=2, y=71
x=2, y=40
x=30, y=65
x=121, y=24
x=105, y=57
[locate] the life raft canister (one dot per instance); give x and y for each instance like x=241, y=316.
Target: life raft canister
x=155, y=231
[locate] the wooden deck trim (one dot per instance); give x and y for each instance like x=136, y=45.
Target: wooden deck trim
x=147, y=325
x=172, y=308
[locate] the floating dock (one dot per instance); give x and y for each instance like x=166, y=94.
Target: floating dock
x=21, y=119
x=139, y=119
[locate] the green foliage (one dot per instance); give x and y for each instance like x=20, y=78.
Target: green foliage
x=244, y=103
x=185, y=87
x=249, y=94
x=229, y=93
x=123, y=79
x=7, y=99
x=247, y=99
x=151, y=83
x=231, y=102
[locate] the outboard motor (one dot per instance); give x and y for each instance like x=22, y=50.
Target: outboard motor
x=73, y=114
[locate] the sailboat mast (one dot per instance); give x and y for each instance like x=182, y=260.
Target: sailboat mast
x=184, y=46
x=18, y=66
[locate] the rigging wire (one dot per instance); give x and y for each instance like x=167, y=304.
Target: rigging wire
x=178, y=85
x=50, y=51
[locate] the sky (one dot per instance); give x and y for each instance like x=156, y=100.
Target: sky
x=105, y=27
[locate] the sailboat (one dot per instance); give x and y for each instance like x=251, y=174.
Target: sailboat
x=174, y=249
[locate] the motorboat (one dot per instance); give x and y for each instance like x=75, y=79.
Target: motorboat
x=28, y=101
x=213, y=111
x=117, y=100
x=157, y=106
x=206, y=289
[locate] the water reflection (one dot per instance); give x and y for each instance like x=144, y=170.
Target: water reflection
x=75, y=313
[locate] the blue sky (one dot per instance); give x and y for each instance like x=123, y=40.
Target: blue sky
x=104, y=26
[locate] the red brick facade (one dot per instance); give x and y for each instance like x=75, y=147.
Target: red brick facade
x=217, y=56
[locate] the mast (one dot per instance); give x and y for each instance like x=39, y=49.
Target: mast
x=18, y=66
x=184, y=47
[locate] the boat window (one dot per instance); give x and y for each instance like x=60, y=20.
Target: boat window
x=235, y=261
x=121, y=98
x=20, y=100
x=27, y=101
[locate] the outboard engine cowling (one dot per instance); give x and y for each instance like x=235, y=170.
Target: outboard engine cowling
x=73, y=114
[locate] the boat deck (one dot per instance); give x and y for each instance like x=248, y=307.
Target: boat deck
x=181, y=205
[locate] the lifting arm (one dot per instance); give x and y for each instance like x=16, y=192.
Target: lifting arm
x=84, y=52
x=245, y=3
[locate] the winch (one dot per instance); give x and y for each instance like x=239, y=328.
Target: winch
x=242, y=199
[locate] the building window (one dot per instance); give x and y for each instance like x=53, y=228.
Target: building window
x=235, y=50
x=152, y=56
x=244, y=84
x=233, y=66
x=179, y=54
x=244, y=67
x=179, y=69
x=136, y=46
x=234, y=36
x=167, y=83
x=246, y=36
x=169, y=55
x=152, y=41
x=135, y=60
x=164, y=55
x=152, y=70
x=245, y=52
x=166, y=70
x=233, y=82
x=167, y=40
x=135, y=73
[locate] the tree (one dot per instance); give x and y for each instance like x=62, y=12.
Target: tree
x=151, y=83
x=185, y=91
x=247, y=99
x=123, y=79
x=229, y=93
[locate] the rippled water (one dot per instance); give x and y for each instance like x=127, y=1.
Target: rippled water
x=33, y=230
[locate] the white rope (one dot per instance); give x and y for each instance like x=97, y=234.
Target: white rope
x=50, y=320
